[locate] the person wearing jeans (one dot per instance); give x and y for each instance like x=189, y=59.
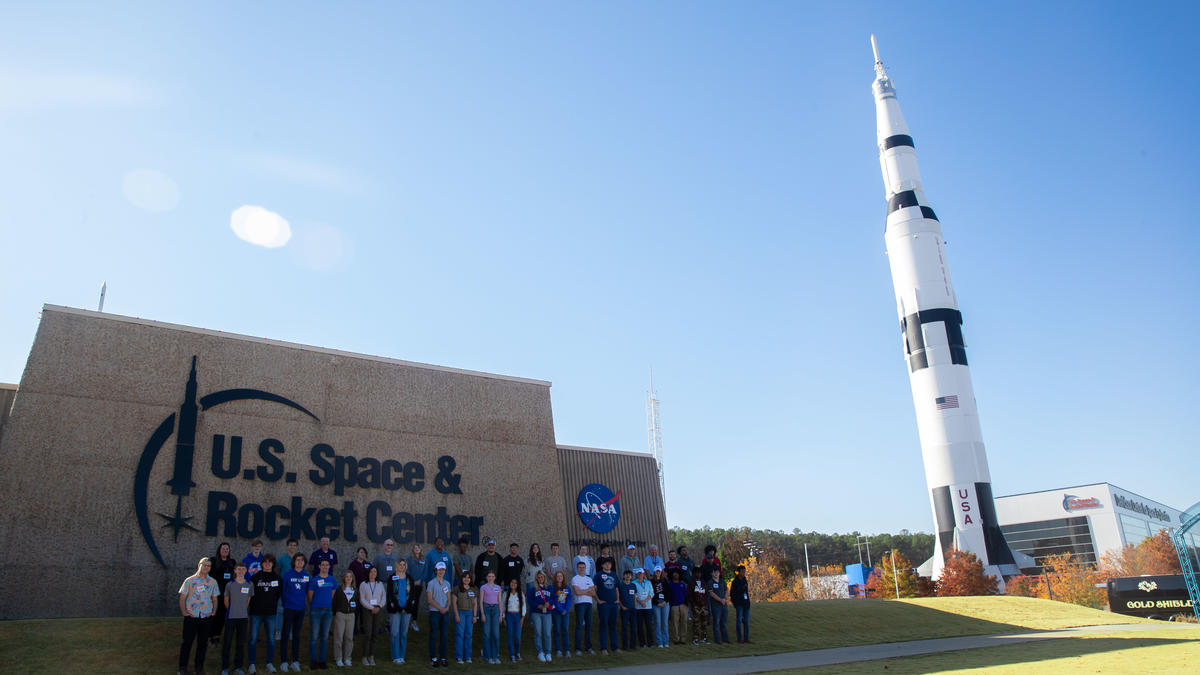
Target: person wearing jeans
x=489, y=598
x=584, y=590
x=514, y=617
x=263, y=604
x=437, y=594
x=739, y=592
x=560, y=617
x=661, y=608
x=466, y=613
x=541, y=608
x=320, y=602
x=295, y=602
x=718, y=602
x=607, y=605
x=398, y=589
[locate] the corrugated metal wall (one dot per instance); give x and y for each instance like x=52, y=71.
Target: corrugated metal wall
x=642, y=515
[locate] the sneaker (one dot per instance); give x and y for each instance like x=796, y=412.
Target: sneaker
x=434, y=663
x=443, y=663
x=277, y=636
x=349, y=662
x=468, y=659
x=415, y=627
x=578, y=653
x=592, y=652
x=239, y=671
x=224, y=671
x=460, y=661
x=397, y=661
x=251, y=670
x=284, y=667
x=296, y=666
x=695, y=642
x=271, y=668
x=339, y=663
x=541, y=658
x=706, y=641
x=548, y=659
x=519, y=658
x=604, y=652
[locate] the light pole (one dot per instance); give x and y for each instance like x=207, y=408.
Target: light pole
x=895, y=574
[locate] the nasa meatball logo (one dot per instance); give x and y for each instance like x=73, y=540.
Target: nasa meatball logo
x=183, y=426
x=598, y=508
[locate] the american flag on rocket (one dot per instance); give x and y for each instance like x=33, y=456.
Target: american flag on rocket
x=944, y=402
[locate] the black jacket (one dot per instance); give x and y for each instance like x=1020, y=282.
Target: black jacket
x=393, y=606
x=739, y=592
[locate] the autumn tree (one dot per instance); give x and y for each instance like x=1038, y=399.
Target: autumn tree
x=763, y=580
x=1152, y=555
x=1074, y=582
x=884, y=579
x=926, y=587
x=963, y=575
x=1025, y=586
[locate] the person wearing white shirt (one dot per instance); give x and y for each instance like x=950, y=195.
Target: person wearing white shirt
x=585, y=596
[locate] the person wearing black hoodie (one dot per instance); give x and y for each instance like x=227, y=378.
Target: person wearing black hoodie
x=268, y=587
x=739, y=595
x=222, y=570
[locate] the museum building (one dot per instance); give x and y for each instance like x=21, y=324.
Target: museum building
x=1085, y=520
x=131, y=448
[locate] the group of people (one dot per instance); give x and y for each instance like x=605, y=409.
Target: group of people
x=645, y=602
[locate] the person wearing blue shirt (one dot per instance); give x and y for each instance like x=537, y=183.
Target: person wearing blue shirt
x=320, y=608
x=295, y=602
x=645, y=620
x=439, y=554
x=653, y=561
x=628, y=594
x=254, y=558
x=608, y=606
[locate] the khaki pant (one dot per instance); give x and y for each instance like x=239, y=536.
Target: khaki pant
x=343, y=636
x=678, y=623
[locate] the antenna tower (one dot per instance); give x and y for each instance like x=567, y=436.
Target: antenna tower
x=654, y=435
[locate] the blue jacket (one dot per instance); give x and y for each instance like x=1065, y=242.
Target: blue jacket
x=540, y=600
x=563, y=599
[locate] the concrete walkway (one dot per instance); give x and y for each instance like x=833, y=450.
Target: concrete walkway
x=891, y=650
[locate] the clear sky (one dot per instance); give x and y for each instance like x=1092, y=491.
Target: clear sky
x=581, y=192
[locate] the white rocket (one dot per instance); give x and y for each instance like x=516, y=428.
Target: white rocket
x=956, y=468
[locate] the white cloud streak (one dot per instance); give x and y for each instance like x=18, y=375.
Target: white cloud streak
x=305, y=172
x=32, y=91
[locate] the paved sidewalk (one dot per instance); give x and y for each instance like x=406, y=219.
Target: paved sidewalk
x=825, y=657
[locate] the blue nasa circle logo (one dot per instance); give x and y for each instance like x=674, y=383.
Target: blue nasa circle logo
x=598, y=508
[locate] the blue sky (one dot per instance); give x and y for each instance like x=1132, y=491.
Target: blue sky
x=580, y=192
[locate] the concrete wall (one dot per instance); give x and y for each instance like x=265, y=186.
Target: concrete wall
x=8, y=392
x=98, y=423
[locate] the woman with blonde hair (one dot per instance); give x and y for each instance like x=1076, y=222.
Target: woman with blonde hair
x=345, y=605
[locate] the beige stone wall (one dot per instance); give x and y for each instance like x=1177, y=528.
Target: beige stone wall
x=97, y=386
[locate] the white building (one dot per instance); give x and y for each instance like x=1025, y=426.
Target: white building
x=1085, y=520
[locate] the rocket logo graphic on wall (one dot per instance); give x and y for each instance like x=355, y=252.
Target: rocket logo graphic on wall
x=598, y=508
x=183, y=426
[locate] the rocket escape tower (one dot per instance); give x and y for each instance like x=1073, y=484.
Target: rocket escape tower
x=956, y=468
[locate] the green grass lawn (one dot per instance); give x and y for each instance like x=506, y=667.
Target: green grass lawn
x=139, y=645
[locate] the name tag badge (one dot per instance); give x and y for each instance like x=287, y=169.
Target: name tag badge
x=320, y=583
x=366, y=566
x=389, y=568
x=352, y=605
x=395, y=577
x=486, y=563
x=510, y=563
x=631, y=591
x=746, y=596
x=246, y=590
x=304, y=579
x=274, y=584
x=470, y=594
x=228, y=575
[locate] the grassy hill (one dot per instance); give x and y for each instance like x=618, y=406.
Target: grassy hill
x=137, y=645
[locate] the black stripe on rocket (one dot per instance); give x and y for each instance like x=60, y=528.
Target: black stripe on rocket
x=903, y=200
x=914, y=338
x=998, y=552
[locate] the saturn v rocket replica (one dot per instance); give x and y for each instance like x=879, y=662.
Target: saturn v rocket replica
x=956, y=468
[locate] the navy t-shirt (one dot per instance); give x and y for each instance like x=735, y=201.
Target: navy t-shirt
x=606, y=586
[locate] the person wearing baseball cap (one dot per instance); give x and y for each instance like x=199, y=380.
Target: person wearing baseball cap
x=488, y=561
x=629, y=561
x=437, y=594
x=645, y=613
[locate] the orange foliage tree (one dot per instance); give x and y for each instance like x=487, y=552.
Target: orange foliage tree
x=963, y=575
x=884, y=579
x=1074, y=582
x=1025, y=586
x=1153, y=555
